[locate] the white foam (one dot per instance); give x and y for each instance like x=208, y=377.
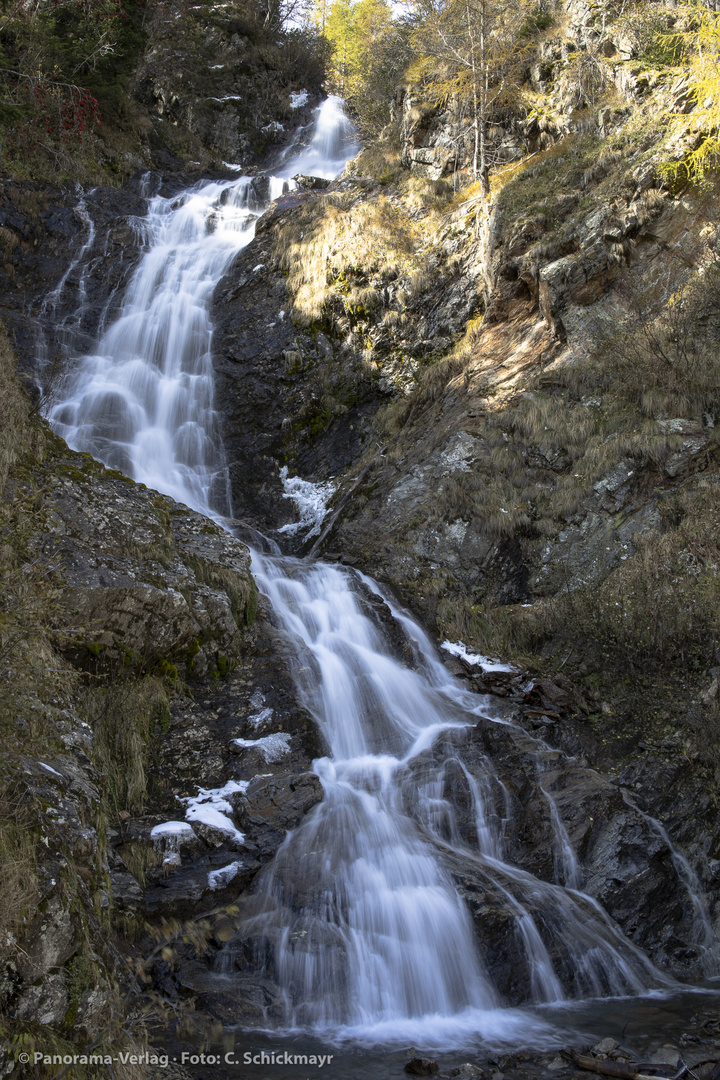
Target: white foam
x=311, y=501
x=458, y=648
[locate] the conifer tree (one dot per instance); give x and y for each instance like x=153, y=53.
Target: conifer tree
x=480, y=47
x=699, y=47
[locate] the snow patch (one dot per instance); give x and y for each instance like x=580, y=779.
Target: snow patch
x=210, y=807
x=218, y=879
x=50, y=769
x=167, y=839
x=274, y=128
x=172, y=828
x=310, y=499
x=258, y=718
x=298, y=98
x=457, y=648
x=272, y=747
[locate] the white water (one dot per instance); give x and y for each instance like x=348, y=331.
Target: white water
x=359, y=919
x=143, y=401
x=363, y=923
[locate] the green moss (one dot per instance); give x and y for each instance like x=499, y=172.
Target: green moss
x=191, y=654
x=165, y=669
x=80, y=976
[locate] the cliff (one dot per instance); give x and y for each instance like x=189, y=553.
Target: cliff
x=516, y=400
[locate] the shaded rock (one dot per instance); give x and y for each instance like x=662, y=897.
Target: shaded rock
x=422, y=1066
x=51, y=942
x=44, y=1004
x=127, y=891
x=280, y=800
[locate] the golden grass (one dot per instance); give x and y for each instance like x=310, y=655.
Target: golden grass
x=337, y=246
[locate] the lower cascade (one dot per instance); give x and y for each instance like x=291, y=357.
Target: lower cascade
x=359, y=920
x=363, y=927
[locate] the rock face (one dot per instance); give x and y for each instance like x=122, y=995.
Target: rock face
x=139, y=592
x=273, y=379
x=146, y=581
x=44, y=232
x=623, y=860
x=215, y=81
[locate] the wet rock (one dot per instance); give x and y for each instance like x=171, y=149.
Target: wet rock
x=422, y=1066
x=605, y=1048
x=273, y=805
x=467, y=1071
x=233, y=998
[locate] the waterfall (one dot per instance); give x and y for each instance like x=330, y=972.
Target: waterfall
x=143, y=401
x=359, y=919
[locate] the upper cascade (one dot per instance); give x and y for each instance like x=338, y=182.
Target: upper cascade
x=142, y=402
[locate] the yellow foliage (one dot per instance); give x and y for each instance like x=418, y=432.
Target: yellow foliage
x=700, y=47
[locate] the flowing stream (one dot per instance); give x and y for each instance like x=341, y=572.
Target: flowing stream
x=358, y=919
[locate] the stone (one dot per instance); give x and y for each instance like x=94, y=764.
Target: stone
x=126, y=890
x=51, y=942
x=665, y=1055
x=43, y=1004
x=421, y=1066
x=605, y=1047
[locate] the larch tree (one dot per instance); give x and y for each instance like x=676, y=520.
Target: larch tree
x=473, y=49
x=370, y=50
x=698, y=47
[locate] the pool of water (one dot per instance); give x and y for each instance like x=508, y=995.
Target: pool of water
x=688, y=1020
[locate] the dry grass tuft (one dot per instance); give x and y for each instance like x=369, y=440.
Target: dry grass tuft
x=328, y=253
x=19, y=889
x=123, y=717
x=15, y=426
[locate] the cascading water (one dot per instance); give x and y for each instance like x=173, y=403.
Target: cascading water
x=143, y=402
x=364, y=928
x=358, y=920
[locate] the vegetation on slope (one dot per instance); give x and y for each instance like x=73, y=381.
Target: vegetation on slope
x=93, y=90
x=612, y=137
